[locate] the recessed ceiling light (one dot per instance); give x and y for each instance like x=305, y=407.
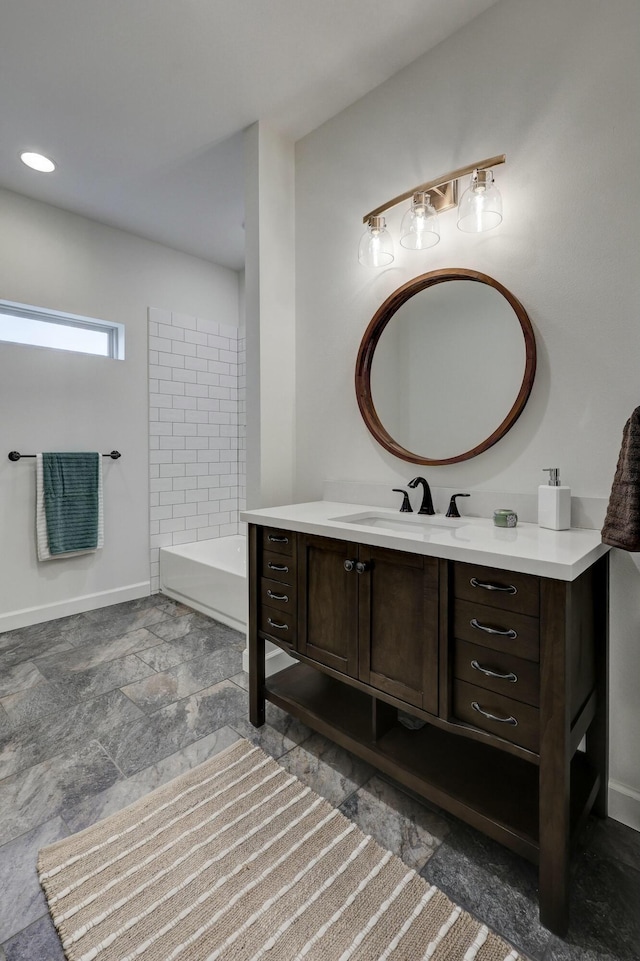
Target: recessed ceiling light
x=37, y=162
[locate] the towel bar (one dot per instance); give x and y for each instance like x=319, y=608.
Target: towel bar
x=14, y=455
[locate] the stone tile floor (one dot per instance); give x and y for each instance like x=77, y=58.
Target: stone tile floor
x=98, y=709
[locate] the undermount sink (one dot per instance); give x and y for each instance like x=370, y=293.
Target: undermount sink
x=411, y=523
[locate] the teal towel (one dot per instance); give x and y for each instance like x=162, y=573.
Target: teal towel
x=70, y=483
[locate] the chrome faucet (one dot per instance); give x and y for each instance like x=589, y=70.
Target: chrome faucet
x=427, y=503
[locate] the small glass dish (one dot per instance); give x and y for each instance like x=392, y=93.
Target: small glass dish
x=505, y=517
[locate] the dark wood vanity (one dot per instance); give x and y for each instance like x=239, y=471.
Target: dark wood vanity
x=507, y=669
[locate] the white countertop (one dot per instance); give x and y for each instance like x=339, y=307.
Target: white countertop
x=527, y=548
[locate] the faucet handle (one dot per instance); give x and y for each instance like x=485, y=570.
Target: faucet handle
x=453, y=507
x=406, y=506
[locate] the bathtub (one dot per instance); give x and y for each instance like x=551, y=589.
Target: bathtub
x=210, y=576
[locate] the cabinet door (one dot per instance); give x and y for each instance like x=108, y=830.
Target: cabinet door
x=328, y=602
x=398, y=625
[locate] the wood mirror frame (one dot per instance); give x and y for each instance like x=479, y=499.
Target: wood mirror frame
x=374, y=331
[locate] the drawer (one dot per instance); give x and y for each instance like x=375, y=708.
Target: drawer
x=279, y=567
x=503, y=631
x=479, y=665
x=278, y=625
x=508, y=719
x=506, y=590
x=277, y=595
x=282, y=542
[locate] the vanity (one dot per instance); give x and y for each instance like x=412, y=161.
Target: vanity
x=466, y=662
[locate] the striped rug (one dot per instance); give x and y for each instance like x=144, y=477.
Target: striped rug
x=238, y=860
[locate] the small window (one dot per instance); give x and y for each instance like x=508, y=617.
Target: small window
x=37, y=327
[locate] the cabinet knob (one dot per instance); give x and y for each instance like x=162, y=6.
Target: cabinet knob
x=362, y=567
x=349, y=566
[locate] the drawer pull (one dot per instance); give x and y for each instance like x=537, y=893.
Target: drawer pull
x=278, y=540
x=493, y=717
x=487, y=586
x=278, y=597
x=279, y=627
x=281, y=568
x=492, y=630
x=485, y=670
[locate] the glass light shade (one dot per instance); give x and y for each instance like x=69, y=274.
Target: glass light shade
x=419, y=228
x=480, y=206
x=376, y=244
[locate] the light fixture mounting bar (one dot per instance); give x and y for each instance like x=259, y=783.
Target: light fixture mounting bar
x=438, y=183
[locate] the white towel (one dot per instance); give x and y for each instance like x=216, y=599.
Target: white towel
x=42, y=538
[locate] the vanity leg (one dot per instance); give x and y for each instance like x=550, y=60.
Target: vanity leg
x=256, y=643
x=256, y=680
x=554, y=775
x=598, y=733
x=554, y=851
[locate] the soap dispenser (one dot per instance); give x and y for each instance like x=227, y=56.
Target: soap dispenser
x=554, y=503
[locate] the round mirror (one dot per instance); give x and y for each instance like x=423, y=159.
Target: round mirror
x=445, y=367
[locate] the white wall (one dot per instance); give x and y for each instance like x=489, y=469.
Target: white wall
x=53, y=400
x=555, y=87
x=270, y=316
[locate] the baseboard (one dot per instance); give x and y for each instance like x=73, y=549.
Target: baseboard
x=14, y=620
x=624, y=804
x=275, y=660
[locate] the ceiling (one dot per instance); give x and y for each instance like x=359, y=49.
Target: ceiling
x=142, y=103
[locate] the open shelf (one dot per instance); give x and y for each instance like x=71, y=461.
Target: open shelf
x=484, y=786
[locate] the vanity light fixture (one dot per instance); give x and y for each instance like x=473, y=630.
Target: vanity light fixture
x=37, y=161
x=479, y=209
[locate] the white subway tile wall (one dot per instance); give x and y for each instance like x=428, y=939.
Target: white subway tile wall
x=197, y=430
